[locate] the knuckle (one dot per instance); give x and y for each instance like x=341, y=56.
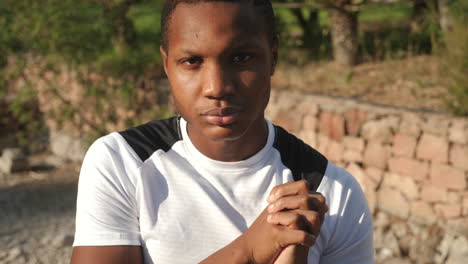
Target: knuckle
x=321, y=198
x=313, y=217
x=303, y=236
x=277, y=191
x=304, y=185
x=310, y=202
x=294, y=225
x=279, y=203
x=274, y=190
x=297, y=220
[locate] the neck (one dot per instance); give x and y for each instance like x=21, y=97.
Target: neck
x=238, y=149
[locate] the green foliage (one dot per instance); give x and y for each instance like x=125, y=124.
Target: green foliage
x=117, y=39
x=459, y=9
x=83, y=32
x=24, y=110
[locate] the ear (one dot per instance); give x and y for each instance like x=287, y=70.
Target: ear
x=164, y=58
x=274, y=53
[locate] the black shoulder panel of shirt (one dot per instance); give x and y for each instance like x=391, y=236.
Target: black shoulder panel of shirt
x=303, y=161
x=150, y=137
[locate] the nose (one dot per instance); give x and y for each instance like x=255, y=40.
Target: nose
x=218, y=82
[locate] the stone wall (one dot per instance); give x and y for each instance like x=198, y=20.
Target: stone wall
x=412, y=166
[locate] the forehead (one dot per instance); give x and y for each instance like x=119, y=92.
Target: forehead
x=207, y=21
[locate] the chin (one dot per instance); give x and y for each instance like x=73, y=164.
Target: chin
x=223, y=134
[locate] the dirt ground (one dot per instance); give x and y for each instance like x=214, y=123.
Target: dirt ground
x=413, y=83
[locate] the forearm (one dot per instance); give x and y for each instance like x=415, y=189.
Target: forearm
x=293, y=254
x=234, y=253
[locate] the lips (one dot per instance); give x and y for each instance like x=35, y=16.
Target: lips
x=222, y=116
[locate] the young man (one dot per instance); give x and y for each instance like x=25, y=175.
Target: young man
x=219, y=184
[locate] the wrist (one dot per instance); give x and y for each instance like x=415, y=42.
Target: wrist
x=234, y=253
x=243, y=252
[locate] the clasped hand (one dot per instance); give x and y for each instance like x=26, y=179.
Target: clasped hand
x=294, y=217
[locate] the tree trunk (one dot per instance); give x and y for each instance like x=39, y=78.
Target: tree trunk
x=344, y=31
x=445, y=20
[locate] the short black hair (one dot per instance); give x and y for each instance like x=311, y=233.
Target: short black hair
x=262, y=7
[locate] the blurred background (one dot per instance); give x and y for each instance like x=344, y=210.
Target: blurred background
x=74, y=70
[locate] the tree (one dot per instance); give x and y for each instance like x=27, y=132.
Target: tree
x=445, y=18
x=344, y=30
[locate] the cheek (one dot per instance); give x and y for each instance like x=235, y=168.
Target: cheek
x=183, y=88
x=257, y=86
x=255, y=79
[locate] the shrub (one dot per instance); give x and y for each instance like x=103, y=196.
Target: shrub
x=89, y=104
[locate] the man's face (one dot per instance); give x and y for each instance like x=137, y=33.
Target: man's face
x=219, y=62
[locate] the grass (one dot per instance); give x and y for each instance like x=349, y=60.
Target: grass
x=385, y=13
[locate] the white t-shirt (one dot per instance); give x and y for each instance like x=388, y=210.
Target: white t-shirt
x=150, y=186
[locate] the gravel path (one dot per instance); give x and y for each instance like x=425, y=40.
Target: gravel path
x=37, y=218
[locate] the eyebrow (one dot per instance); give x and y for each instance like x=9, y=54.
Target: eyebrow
x=246, y=44
x=236, y=45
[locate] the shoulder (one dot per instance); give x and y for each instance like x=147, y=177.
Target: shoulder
x=110, y=148
x=348, y=224
x=342, y=190
x=304, y=161
x=337, y=176
x=146, y=139
x=123, y=153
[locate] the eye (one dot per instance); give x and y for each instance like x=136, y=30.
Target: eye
x=191, y=61
x=242, y=58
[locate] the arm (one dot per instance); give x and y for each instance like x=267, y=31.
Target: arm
x=293, y=255
x=107, y=255
x=107, y=228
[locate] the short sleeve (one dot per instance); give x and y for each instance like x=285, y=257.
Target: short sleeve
x=351, y=239
x=107, y=212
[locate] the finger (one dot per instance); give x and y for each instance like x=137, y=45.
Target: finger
x=295, y=237
x=313, y=220
x=291, y=219
x=320, y=202
x=309, y=221
x=304, y=202
x=322, y=199
x=287, y=189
